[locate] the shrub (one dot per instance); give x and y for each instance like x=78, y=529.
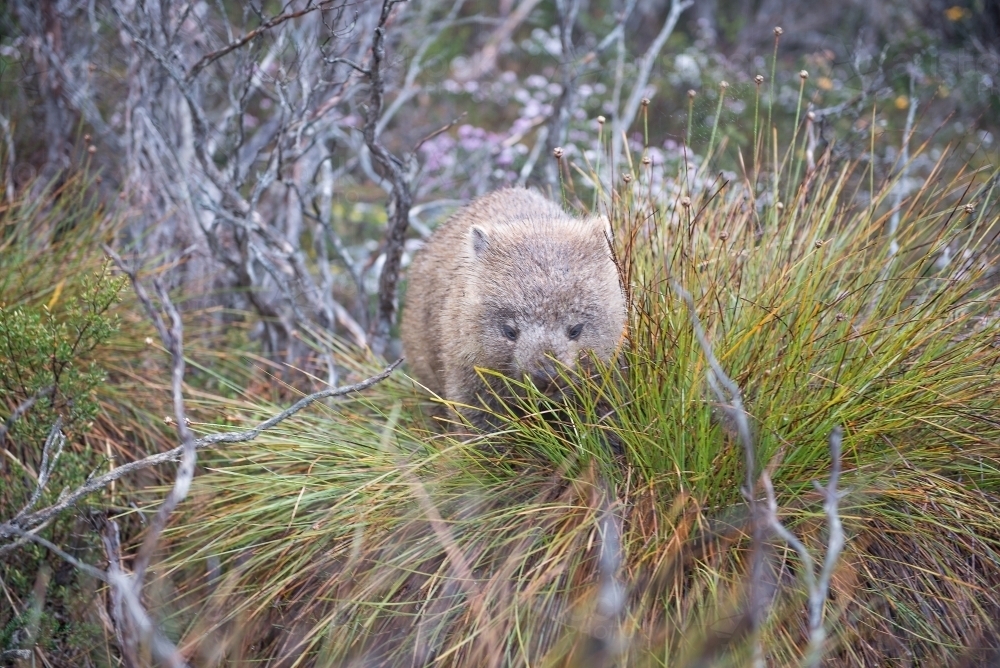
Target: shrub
x=57, y=318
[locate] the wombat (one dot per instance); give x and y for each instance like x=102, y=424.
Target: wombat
x=510, y=283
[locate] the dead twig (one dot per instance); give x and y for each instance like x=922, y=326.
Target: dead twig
x=563, y=107
x=486, y=59
x=21, y=409
x=11, y=158
x=210, y=58
x=56, y=439
x=70, y=499
x=817, y=585
x=402, y=197
x=134, y=629
x=730, y=399
x=623, y=121
x=729, y=396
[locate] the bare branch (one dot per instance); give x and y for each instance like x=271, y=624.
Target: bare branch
x=174, y=342
x=21, y=409
x=402, y=198
x=563, y=107
x=10, y=654
x=897, y=195
x=726, y=392
x=817, y=587
x=619, y=29
x=350, y=63
x=730, y=399
x=55, y=438
x=624, y=121
x=9, y=528
x=647, y=61
x=898, y=189
x=210, y=58
x=536, y=151
x=606, y=634
x=59, y=552
x=8, y=172
x=130, y=629
x=486, y=59
x=441, y=130
x=124, y=634
x=410, y=88
x=810, y=143
x=200, y=123
x=133, y=627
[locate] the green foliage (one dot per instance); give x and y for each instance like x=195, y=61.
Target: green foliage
x=45, y=354
x=58, y=317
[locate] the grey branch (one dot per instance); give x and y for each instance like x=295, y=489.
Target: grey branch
x=817, y=586
x=185, y=469
x=402, y=198
x=128, y=628
x=59, y=552
x=563, y=107
x=9, y=528
x=486, y=59
x=730, y=399
x=898, y=188
x=21, y=409
x=55, y=439
x=611, y=595
x=210, y=58
x=646, y=62
x=11, y=159
x=726, y=392
x=128, y=616
x=619, y=29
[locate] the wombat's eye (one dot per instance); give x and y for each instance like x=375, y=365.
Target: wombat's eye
x=574, y=332
x=510, y=332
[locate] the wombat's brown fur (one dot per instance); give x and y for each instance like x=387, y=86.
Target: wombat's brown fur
x=507, y=283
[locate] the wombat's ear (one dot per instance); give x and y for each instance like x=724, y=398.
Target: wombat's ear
x=602, y=225
x=478, y=240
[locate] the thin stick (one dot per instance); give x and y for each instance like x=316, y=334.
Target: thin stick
x=817, y=587
x=210, y=58
x=623, y=121
x=727, y=392
x=402, y=197
x=36, y=518
x=55, y=438
x=21, y=409
x=11, y=158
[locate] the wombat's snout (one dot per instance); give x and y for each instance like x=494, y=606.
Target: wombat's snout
x=544, y=374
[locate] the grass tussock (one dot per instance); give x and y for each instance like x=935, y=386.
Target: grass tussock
x=358, y=534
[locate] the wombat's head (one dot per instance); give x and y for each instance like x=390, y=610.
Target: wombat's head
x=543, y=290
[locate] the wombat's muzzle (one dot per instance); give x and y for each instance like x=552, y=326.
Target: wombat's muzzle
x=544, y=375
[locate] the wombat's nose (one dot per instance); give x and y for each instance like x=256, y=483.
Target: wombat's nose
x=544, y=374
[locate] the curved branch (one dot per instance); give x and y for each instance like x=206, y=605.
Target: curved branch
x=402, y=197
x=210, y=58
x=11, y=528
